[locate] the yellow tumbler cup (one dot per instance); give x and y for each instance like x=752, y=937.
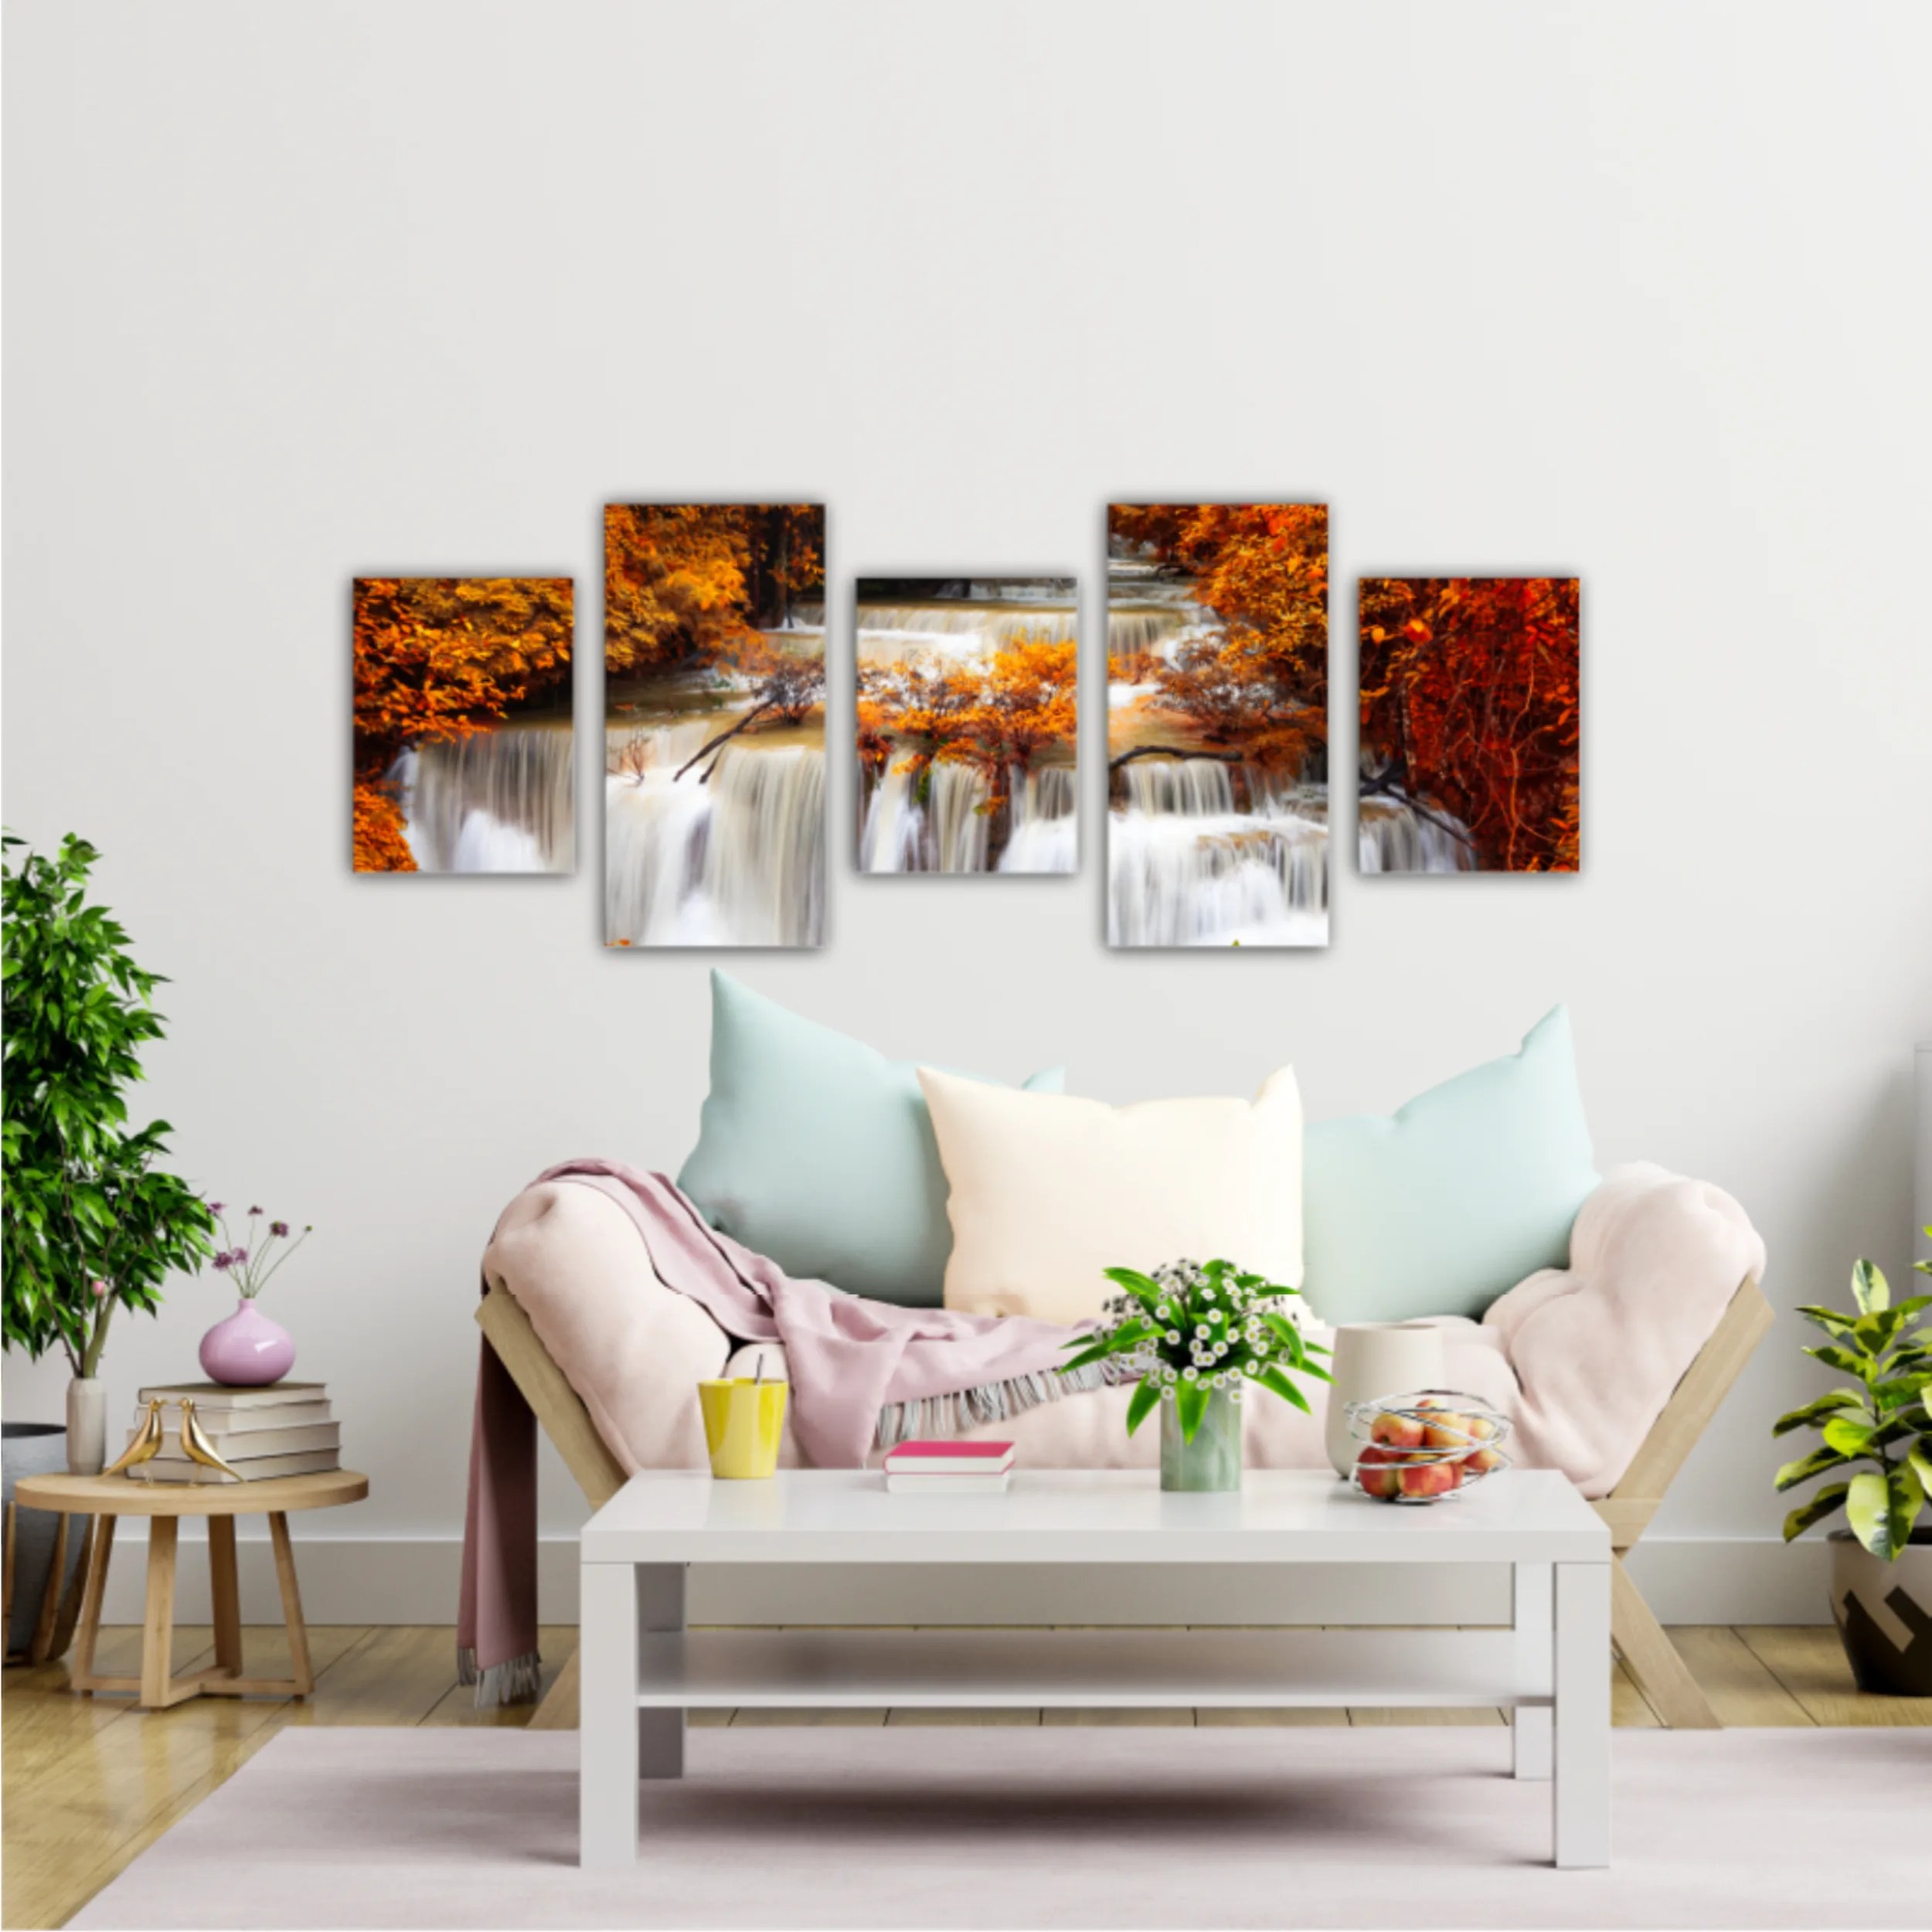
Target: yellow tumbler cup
x=743, y=1420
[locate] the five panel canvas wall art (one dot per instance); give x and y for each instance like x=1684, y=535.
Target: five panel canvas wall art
x=967, y=724
x=1217, y=627
x=462, y=738
x=1470, y=727
x=714, y=655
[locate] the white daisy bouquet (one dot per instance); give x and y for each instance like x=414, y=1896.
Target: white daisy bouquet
x=1193, y=1328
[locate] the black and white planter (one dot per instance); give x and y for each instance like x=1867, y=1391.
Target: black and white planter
x=1883, y=1611
x=33, y=1449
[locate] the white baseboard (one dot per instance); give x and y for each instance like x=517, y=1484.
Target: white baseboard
x=413, y=1581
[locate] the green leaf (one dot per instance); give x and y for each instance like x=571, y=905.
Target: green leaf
x=1900, y=1391
x=1906, y=1496
x=1848, y=1437
x=1272, y=1378
x=1084, y=1360
x=1920, y=1456
x=1869, y=1288
x=1844, y=1360
x=1191, y=1399
x=1806, y=1467
x=1868, y=1508
x=1816, y=1411
x=1828, y=1319
x=1145, y=1400
x=1815, y=1509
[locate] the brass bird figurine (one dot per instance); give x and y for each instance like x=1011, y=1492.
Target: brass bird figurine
x=145, y=1446
x=196, y=1447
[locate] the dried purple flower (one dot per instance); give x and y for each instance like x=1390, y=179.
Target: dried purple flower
x=222, y=1261
x=254, y=1211
x=238, y=1255
x=279, y=1228
x=217, y=1207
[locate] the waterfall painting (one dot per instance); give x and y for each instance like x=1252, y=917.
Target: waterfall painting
x=1217, y=645
x=1471, y=695
x=714, y=733
x=462, y=734
x=967, y=705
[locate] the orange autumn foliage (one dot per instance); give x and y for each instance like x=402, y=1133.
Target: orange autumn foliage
x=691, y=584
x=436, y=659
x=1470, y=699
x=1258, y=683
x=999, y=716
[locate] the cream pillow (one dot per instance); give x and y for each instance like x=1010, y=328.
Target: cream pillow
x=1046, y=1191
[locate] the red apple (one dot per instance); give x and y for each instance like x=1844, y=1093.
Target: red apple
x=1484, y=1460
x=1397, y=1431
x=1448, y=1430
x=1376, y=1472
x=1430, y=1478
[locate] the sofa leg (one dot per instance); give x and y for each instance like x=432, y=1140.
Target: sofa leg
x=559, y=1710
x=1652, y=1660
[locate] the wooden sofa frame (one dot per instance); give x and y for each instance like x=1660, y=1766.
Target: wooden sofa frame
x=1647, y=1653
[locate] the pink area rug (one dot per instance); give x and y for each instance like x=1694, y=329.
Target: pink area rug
x=1061, y=1827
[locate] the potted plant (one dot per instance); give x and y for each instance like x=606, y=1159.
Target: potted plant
x=1878, y=1429
x=91, y=1224
x=1197, y=1337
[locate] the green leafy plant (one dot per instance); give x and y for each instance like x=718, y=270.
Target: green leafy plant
x=1192, y=1329
x=89, y=1223
x=1883, y=1421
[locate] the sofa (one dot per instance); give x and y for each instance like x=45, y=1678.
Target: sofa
x=1609, y=1363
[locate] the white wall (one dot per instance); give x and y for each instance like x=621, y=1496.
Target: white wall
x=1638, y=292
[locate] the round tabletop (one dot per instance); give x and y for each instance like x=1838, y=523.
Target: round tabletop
x=128, y=1496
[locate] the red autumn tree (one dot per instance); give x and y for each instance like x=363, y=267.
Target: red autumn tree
x=1470, y=701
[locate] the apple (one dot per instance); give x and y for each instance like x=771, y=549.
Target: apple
x=1397, y=1431
x=1448, y=1430
x=1484, y=1460
x=1377, y=1473
x=1430, y=1478
x=1481, y=1426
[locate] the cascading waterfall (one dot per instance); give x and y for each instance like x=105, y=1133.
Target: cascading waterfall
x=498, y=801
x=738, y=860
x=962, y=629
x=1044, y=836
x=1393, y=836
x=1189, y=868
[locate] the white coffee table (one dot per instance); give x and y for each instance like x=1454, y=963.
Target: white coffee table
x=641, y=1670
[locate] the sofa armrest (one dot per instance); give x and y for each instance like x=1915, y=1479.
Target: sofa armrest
x=1599, y=1346
x=633, y=1350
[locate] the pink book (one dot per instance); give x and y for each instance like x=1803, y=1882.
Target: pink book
x=950, y=1457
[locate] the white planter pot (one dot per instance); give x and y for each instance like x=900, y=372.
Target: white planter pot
x=86, y=1426
x=1377, y=1358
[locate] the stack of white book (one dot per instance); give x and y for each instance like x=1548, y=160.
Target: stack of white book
x=287, y=1429
x=948, y=1467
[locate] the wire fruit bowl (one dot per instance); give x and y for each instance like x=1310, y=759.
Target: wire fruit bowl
x=1428, y=1447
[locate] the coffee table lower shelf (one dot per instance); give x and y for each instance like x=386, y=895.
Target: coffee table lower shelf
x=993, y=1669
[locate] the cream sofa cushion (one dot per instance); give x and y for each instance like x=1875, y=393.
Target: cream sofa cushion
x=1046, y=1191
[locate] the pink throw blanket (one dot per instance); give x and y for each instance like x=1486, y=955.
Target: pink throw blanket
x=848, y=1357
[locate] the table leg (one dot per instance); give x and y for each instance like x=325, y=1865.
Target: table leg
x=157, y=1628
x=299, y=1666
x=1582, y=1797
x=40, y=1646
x=1534, y=1616
x=83, y=1662
x=608, y=1726
x=224, y=1590
x=660, y=1607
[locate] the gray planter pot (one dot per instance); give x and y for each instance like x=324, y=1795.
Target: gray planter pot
x=1883, y=1611
x=33, y=1449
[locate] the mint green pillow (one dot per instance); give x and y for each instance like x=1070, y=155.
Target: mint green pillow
x=1460, y=1194
x=816, y=1151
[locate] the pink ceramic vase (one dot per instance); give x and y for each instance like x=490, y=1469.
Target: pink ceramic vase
x=247, y=1350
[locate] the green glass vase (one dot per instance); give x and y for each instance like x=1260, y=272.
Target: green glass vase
x=1212, y=1460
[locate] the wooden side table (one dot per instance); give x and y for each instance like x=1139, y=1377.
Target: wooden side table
x=107, y=1498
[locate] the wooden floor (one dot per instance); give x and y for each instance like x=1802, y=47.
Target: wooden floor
x=91, y=1782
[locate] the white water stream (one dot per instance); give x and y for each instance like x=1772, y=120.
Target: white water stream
x=735, y=860
x=498, y=801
